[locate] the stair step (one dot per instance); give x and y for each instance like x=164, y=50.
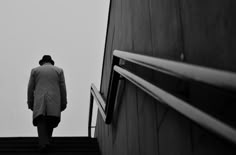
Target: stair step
x=56, y=139
x=54, y=144
x=60, y=145
x=50, y=153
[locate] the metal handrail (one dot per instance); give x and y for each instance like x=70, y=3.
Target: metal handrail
x=181, y=106
x=98, y=96
x=218, y=78
x=94, y=94
x=214, y=77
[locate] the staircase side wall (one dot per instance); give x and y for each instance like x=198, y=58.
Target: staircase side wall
x=198, y=32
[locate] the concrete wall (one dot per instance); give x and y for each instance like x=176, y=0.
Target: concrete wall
x=201, y=32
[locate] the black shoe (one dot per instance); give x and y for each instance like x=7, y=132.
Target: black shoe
x=43, y=148
x=50, y=140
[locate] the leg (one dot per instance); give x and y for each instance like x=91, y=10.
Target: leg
x=50, y=131
x=50, y=127
x=42, y=131
x=52, y=123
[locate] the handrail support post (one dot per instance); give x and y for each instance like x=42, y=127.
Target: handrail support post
x=90, y=115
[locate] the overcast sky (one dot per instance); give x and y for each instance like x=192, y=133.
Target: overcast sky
x=73, y=33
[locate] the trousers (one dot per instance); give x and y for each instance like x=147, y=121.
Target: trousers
x=45, y=129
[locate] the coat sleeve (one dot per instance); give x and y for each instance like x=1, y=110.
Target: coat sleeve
x=30, y=91
x=63, y=91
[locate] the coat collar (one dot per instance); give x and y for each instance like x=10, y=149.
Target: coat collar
x=47, y=63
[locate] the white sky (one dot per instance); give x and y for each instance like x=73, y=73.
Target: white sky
x=73, y=33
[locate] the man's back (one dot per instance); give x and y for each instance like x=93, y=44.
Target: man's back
x=47, y=91
x=47, y=78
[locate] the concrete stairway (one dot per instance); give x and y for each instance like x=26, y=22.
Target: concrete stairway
x=59, y=146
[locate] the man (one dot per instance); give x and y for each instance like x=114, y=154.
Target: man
x=46, y=98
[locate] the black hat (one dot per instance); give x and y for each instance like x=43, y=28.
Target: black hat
x=46, y=58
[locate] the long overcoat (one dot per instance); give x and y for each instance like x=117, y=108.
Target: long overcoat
x=46, y=92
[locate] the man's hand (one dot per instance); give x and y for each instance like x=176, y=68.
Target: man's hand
x=30, y=106
x=63, y=107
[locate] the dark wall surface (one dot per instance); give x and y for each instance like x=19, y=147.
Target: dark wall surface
x=201, y=32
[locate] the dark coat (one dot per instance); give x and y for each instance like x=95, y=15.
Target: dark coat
x=47, y=92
